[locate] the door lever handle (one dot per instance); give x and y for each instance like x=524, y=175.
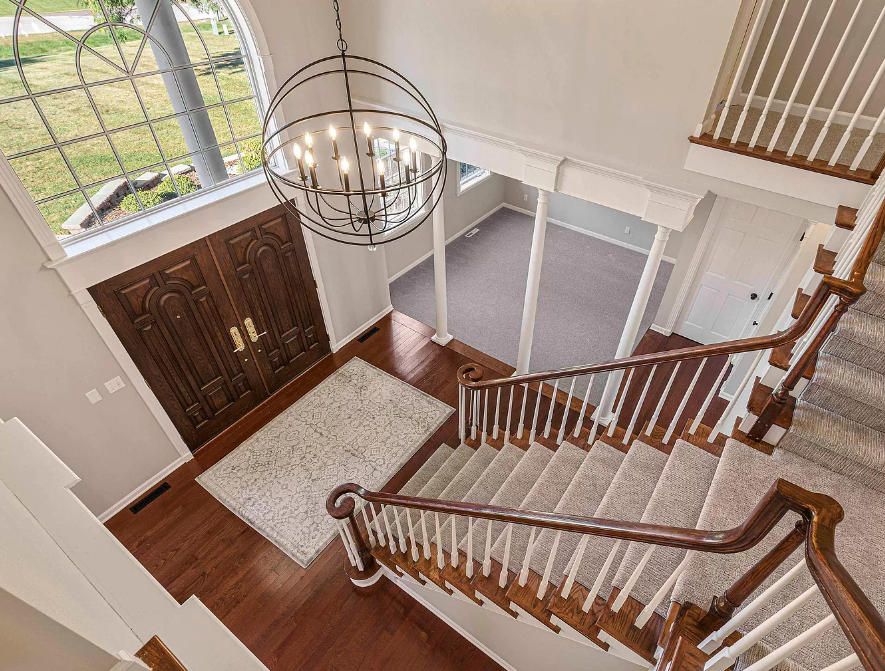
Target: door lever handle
x=251, y=330
x=239, y=343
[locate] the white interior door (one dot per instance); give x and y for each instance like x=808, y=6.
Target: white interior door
x=749, y=250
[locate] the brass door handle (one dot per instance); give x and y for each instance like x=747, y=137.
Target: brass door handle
x=251, y=330
x=239, y=343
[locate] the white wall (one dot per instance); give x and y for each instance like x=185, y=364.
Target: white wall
x=598, y=219
x=53, y=594
x=460, y=212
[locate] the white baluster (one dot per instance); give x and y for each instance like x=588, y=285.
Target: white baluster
x=425, y=541
x=399, y=531
x=596, y=415
x=751, y=371
x=545, y=580
x=454, y=553
x=786, y=113
x=660, y=405
x=714, y=640
x=684, y=401
x=368, y=526
x=823, y=81
x=525, y=397
x=614, y=422
x=600, y=579
x=475, y=414
x=509, y=414
x=415, y=554
x=392, y=547
x=549, y=424
x=469, y=567
x=851, y=75
x=505, y=565
x=639, y=405
x=462, y=434
x=530, y=548
x=378, y=530
x=727, y=656
x=759, y=71
x=742, y=66
x=574, y=565
x=780, y=75
x=568, y=406
x=346, y=543
x=661, y=594
x=631, y=581
x=580, y=423
x=440, y=559
x=713, y=392
x=497, y=412
x=844, y=664
x=487, y=557
x=485, y=419
x=788, y=648
x=534, y=430
x=358, y=561
x=868, y=141
x=860, y=108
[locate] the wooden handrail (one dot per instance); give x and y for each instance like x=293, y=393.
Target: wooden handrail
x=862, y=623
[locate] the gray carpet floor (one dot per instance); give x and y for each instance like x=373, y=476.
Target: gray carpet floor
x=587, y=286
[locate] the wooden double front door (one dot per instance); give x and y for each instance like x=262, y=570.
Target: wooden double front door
x=217, y=326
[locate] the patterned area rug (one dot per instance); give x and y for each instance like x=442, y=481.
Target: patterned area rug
x=359, y=425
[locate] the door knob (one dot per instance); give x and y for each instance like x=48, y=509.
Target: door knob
x=251, y=330
x=754, y=296
x=239, y=343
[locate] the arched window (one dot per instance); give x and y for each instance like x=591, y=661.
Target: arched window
x=112, y=107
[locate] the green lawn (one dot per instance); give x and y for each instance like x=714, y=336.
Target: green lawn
x=48, y=62
x=41, y=6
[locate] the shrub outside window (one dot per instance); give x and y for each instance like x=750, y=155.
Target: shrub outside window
x=112, y=107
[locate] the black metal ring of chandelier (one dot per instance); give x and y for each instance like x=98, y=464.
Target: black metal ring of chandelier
x=408, y=148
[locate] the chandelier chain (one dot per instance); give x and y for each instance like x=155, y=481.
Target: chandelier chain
x=342, y=43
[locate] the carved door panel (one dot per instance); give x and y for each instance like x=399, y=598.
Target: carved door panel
x=266, y=269
x=174, y=318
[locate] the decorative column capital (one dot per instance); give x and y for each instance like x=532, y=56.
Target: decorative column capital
x=663, y=233
x=543, y=196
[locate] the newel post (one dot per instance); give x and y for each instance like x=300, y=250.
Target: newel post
x=361, y=567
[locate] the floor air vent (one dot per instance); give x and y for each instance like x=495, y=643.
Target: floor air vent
x=368, y=334
x=150, y=498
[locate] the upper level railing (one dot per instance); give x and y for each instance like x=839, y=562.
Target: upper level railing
x=803, y=87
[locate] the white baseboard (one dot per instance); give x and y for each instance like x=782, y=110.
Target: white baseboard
x=341, y=343
x=661, y=330
x=141, y=489
x=457, y=235
x=592, y=234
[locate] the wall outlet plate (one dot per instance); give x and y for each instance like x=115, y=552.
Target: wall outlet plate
x=627, y=230
x=93, y=396
x=114, y=385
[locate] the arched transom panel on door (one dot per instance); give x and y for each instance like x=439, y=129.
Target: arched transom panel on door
x=174, y=318
x=265, y=265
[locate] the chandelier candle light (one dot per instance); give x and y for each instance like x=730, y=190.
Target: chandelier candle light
x=388, y=166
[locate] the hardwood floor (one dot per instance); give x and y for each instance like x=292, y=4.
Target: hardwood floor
x=294, y=618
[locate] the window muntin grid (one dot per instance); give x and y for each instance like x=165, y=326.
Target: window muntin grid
x=385, y=152
x=86, y=132
x=467, y=173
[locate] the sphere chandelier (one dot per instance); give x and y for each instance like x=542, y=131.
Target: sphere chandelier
x=364, y=174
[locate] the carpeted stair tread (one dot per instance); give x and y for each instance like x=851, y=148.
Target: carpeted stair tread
x=543, y=497
x=440, y=480
x=676, y=501
x=872, y=302
x=759, y=651
x=742, y=478
x=849, y=448
x=511, y=494
x=849, y=390
x=463, y=481
x=860, y=339
x=582, y=498
x=428, y=468
x=483, y=489
x=626, y=500
x=874, y=280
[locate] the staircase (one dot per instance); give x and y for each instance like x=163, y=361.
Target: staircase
x=645, y=534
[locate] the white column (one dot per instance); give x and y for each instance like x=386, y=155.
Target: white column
x=533, y=282
x=442, y=335
x=631, y=328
